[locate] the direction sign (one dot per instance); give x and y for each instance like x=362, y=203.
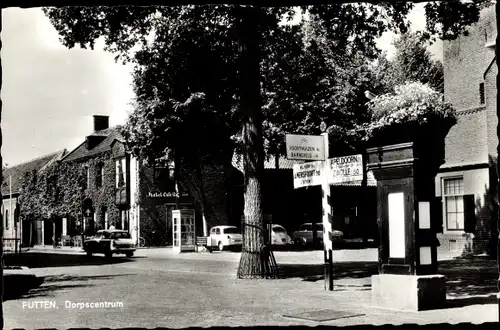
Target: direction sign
x=307, y=174
x=345, y=169
x=305, y=147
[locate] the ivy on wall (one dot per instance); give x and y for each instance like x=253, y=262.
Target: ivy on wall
x=59, y=190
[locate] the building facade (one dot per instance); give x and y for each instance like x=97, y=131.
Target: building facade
x=122, y=191
x=466, y=184
x=13, y=226
x=118, y=190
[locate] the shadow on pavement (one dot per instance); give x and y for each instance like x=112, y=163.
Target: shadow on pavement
x=309, y=272
x=464, y=302
x=470, y=281
x=42, y=260
x=47, y=286
x=470, y=276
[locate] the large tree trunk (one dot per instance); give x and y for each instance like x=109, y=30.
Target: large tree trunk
x=251, y=265
x=1, y=225
x=497, y=9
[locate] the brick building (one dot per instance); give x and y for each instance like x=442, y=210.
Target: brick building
x=121, y=190
x=466, y=183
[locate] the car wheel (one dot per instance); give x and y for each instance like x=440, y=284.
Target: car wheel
x=89, y=253
x=129, y=254
x=221, y=246
x=108, y=254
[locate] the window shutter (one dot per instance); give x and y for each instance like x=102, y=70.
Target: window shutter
x=437, y=215
x=469, y=214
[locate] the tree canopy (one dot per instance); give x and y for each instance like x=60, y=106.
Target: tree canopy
x=205, y=61
x=412, y=62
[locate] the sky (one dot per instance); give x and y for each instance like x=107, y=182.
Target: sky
x=50, y=93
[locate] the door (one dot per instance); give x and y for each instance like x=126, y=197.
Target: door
x=176, y=231
x=214, y=236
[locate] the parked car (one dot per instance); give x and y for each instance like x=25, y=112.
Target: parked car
x=304, y=236
x=109, y=242
x=279, y=236
x=224, y=237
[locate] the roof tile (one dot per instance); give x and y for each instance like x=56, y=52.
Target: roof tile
x=17, y=172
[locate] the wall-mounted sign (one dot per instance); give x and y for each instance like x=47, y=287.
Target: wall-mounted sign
x=345, y=169
x=305, y=147
x=166, y=194
x=308, y=174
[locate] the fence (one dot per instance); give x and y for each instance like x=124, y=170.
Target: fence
x=11, y=245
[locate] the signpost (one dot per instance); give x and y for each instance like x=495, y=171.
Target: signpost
x=308, y=174
x=305, y=147
x=323, y=171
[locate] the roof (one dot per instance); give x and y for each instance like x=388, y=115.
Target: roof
x=287, y=164
x=81, y=152
x=16, y=172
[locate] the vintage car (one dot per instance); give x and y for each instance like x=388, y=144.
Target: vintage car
x=304, y=236
x=279, y=236
x=109, y=242
x=224, y=237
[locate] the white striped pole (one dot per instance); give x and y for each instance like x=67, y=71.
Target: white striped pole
x=327, y=211
x=327, y=219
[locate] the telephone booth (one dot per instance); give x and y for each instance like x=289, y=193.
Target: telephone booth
x=184, y=235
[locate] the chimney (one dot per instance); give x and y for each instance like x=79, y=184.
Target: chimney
x=100, y=122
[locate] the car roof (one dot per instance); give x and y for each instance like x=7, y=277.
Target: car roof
x=224, y=227
x=112, y=231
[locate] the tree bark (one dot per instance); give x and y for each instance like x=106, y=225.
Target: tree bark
x=497, y=10
x=1, y=225
x=251, y=262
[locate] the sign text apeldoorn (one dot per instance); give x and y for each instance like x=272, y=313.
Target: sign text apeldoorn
x=305, y=147
x=345, y=169
x=308, y=174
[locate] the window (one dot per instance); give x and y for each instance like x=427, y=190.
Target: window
x=99, y=175
x=307, y=227
x=231, y=230
x=7, y=219
x=481, y=93
x=88, y=175
x=119, y=234
x=105, y=217
x=120, y=173
x=454, y=203
x=279, y=229
x=217, y=231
